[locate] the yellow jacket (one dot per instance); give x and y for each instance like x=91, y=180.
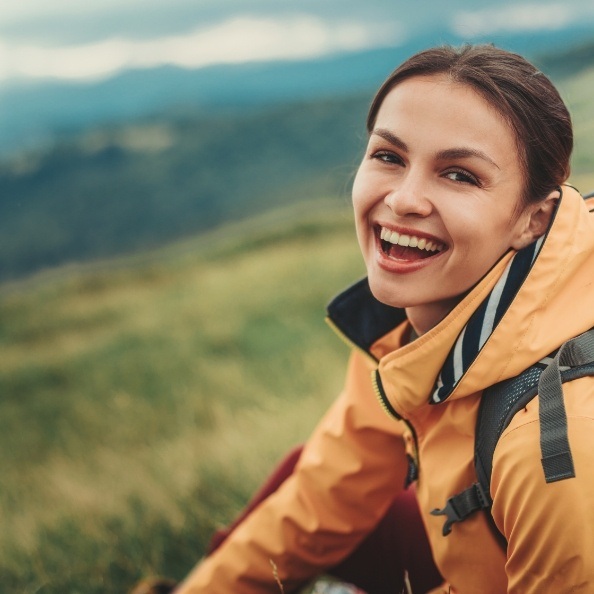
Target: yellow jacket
x=357, y=459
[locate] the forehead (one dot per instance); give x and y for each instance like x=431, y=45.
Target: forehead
x=439, y=109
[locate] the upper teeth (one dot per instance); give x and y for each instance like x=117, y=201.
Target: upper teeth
x=410, y=240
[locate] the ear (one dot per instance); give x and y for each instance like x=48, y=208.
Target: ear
x=535, y=220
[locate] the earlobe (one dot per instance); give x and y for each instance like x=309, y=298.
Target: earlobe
x=537, y=219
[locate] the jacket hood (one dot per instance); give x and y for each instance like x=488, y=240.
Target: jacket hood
x=554, y=302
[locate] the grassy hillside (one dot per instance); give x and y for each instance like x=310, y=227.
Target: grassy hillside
x=143, y=401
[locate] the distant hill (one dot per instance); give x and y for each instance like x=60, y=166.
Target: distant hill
x=124, y=188
x=129, y=186
x=567, y=63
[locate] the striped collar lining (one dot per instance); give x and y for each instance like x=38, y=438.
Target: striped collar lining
x=483, y=321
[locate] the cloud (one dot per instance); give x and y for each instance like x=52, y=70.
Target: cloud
x=516, y=18
x=18, y=12
x=240, y=39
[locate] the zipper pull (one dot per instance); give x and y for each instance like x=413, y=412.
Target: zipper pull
x=412, y=474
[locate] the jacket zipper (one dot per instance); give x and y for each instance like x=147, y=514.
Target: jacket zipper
x=376, y=382
x=378, y=388
x=413, y=461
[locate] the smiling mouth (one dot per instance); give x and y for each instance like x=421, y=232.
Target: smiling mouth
x=400, y=246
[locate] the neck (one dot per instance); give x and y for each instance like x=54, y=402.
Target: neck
x=424, y=317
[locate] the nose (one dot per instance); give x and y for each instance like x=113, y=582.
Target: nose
x=409, y=196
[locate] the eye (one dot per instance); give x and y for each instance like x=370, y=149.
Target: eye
x=387, y=157
x=462, y=176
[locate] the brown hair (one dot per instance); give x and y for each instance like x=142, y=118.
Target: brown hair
x=523, y=95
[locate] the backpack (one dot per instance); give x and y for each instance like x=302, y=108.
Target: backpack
x=499, y=403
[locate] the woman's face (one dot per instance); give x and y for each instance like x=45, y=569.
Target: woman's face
x=437, y=196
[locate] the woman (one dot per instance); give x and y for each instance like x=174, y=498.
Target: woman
x=479, y=264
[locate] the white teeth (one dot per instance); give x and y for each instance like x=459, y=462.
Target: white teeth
x=410, y=241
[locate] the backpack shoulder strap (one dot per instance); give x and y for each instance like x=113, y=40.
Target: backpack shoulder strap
x=573, y=359
x=499, y=404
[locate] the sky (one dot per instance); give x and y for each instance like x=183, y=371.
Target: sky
x=89, y=40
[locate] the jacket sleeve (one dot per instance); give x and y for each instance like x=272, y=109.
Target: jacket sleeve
x=350, y=470
x=549, y=527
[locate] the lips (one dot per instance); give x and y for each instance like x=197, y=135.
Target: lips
x=406, y=246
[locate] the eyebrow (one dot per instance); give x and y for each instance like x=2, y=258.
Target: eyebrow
x=446, y=154
x=465, y=153
x=391, y=138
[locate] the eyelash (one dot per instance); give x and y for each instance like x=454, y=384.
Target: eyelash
x=387, y=157
x=469, y=178
x=393, y=159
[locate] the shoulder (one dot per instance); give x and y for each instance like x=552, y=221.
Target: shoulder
x=548, y=526
x=578, y=396
x=517, y=469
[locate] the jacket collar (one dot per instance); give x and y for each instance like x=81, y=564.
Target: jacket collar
x=409, y=371
x=361, y=318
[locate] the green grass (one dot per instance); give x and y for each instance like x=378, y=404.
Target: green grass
x=144, y=400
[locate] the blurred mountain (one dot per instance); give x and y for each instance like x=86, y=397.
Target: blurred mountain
x=123, y=188
x=34, y=115
x=568, y=62
x=253, y=139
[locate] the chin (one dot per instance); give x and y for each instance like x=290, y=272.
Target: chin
x=386, y=296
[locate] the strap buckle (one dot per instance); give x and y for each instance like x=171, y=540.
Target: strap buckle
x=451, y=514
x=462, y=505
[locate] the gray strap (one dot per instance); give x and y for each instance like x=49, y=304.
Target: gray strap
x=557, y=461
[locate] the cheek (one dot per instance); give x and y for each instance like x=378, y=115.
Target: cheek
x=362, y=206
x=365, y=188
x=478, y=226
x=357, y=192
x=479, y=244
x=475, y=243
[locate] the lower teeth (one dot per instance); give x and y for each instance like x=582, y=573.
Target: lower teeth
x=404, y=252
